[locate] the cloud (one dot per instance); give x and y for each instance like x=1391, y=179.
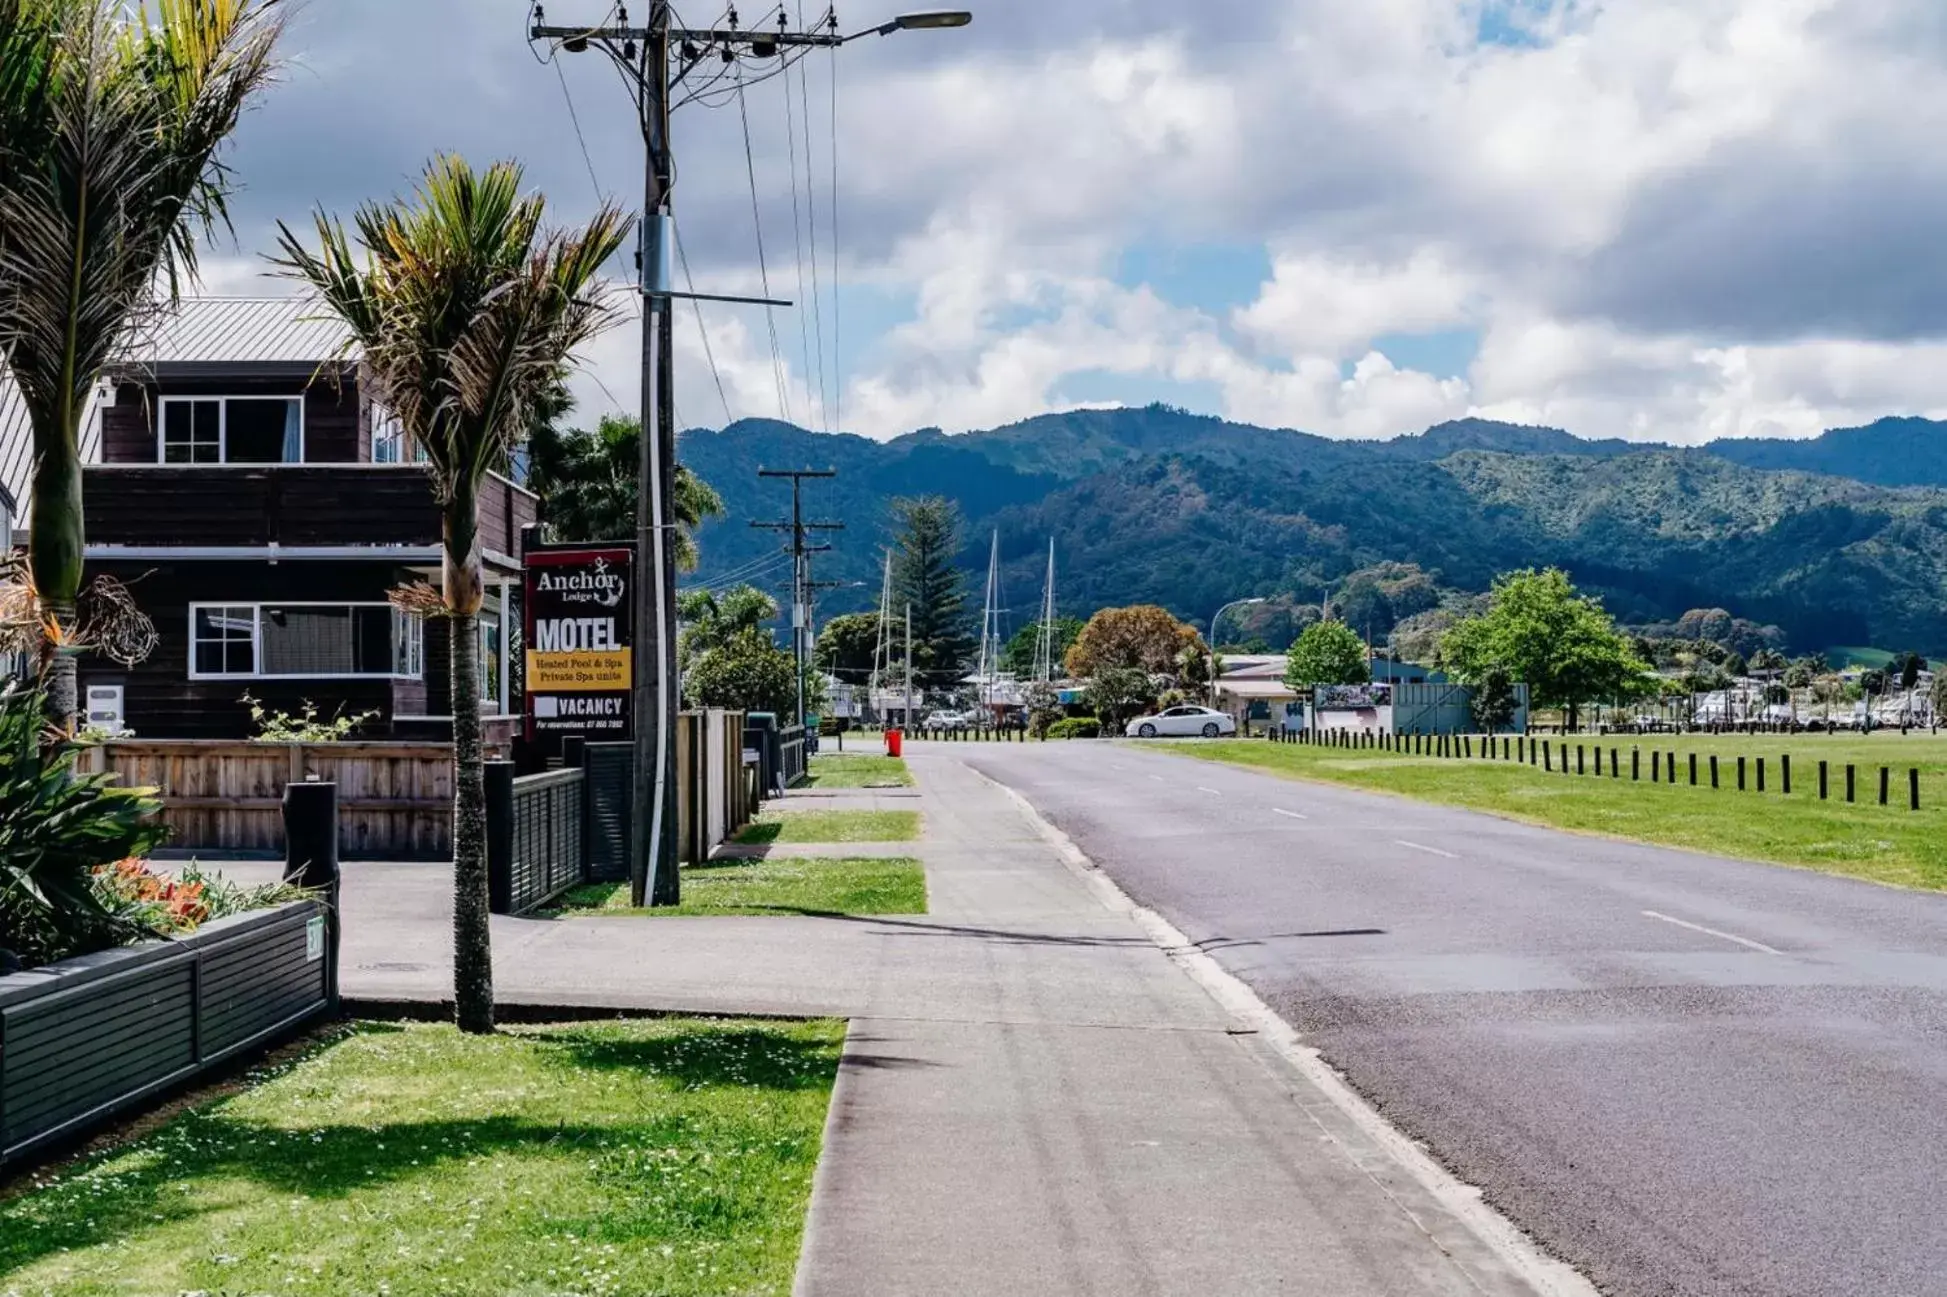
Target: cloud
x=1670, y=218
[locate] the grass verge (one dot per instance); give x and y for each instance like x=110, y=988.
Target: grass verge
x=858, y=770
x=673, y=1156
x=1887, y=844
x=807, y=885
x=831, y=826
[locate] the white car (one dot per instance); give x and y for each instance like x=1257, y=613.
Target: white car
x=1181, y=721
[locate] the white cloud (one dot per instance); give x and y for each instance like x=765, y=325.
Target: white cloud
x=1667, y=218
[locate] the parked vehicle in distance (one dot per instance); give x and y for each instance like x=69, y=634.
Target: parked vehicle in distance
x=950, y=721
x=1179, y=722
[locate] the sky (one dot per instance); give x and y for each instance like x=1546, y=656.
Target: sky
x=1669, y=220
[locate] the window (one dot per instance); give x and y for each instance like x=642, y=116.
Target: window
x=408, y=647
x=225, y=641
x=232, y=430
x=490, y=661
x=303, y=640
x=388, y=438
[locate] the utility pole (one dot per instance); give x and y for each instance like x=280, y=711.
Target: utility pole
x=643, y=55
x=802, y=585
x=908, y=726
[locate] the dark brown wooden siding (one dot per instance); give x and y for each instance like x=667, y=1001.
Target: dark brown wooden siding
x=160, y=699
x=296, y=504
x=504, y=510
x=333, y=432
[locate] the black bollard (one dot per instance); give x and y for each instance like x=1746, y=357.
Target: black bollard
x=1740, y=774
x=1635, y=765
x=311, y=860
x=1785, y=774
x=1693, y=769
x=1760, y=774
x=1913, y=788
x=1713, y=770
x=1822, y=783
x=1883, y=779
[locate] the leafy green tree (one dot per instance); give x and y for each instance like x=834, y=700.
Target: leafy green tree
x=1909, y=665
x=710, y=620
x=1801, y=672
x=1494, y=702
x=1115, y=694
x=1872, y=682
x=1540, y=630
x=926, y=576
x=847, y=645
x=1938, y=696
x=587, y=484
x=464, y=309
x=1044, y=707
x=1767, y=659
x=747, y=672
x=1019, y=658
x=1327, y=653
x=111, y=116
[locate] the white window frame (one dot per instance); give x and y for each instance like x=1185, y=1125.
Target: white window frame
x=415, y=645
x=223, y=429
x=257, y=607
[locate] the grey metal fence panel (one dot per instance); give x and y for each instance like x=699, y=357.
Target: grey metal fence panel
x=610, y=771
x=793, y=755
x=547, y=846
x=87, y=1038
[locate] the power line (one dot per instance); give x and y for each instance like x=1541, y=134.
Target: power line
x=709, y=352
x=763, y=264
x=797, y=236
x=581, y=139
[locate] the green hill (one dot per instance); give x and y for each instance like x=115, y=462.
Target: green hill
x=1188, y=511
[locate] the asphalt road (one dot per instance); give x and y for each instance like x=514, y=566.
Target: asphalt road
x=1685, y=1075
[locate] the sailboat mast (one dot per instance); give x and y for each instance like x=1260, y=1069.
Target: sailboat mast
x=989, y=624
x=1044, y=657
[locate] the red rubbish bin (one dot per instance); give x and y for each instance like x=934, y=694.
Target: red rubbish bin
x=893, y=740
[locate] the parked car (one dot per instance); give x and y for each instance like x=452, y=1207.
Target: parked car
x=950, y=721
x=1180, y=721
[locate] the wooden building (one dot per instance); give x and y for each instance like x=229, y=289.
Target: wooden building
x=260, y=507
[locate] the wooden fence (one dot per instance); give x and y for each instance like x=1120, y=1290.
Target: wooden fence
x=395, y=800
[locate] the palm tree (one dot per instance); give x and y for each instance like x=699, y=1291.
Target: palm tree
x=587, y=484
x=110, y=120
x=464, y=310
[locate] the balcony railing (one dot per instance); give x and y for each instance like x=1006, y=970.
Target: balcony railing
x=293, y=506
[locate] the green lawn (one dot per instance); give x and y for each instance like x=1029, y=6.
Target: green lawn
x=599, y=1158
x=809, y=885
x=831, y=826
x=858, y=770
x=1888, y=844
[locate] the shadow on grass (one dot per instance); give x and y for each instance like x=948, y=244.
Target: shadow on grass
x=741, y=1058
x=761, y=834
x=325, y=1162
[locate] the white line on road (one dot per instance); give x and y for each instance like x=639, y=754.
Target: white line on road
x=1713, y=932
x=1159, y=779
x=1431, y=851
x=1213, y=792
x=1290, y=815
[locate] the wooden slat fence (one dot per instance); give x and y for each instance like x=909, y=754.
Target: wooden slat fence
x=395, y=800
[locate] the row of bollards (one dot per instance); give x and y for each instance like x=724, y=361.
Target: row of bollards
x=1552, y=756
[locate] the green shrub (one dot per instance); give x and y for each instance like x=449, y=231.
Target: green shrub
x=56, y=827
x=1077, y=727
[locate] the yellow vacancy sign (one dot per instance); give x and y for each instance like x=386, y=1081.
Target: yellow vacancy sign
x=597, y=671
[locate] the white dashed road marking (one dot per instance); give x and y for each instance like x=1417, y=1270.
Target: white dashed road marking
x=1290, y=815
x=1213, y=792
x=1431, y=851
x=1713, y=932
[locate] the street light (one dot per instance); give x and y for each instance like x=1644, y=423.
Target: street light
x=925, y=21
x=1235, y=603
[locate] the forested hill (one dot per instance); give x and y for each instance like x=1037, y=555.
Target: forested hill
x=1840, y=539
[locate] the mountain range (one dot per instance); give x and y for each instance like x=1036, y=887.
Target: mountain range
x=1839, y=539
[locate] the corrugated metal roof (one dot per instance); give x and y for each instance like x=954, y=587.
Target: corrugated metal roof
x=17, y=445
x=240, y=331
x=203, y=331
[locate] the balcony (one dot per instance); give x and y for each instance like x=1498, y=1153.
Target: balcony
x=291, y=506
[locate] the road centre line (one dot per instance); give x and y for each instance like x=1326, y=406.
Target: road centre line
x=1431, y=851
x=1290, y=815
x=1213, y=792
x=1713, y=932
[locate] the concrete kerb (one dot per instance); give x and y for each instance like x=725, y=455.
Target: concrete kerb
x=837, y=1113
x=1424, y=1189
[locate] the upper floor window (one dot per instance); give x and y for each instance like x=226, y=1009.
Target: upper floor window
x=232, y=430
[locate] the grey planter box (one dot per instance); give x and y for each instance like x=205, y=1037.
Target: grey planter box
x=87, y=1038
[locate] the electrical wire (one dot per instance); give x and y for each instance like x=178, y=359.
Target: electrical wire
x=709, y=353
x=763, y=264
x=797, y=238
x=811, y=205
x=838, y=376
x=575, y=119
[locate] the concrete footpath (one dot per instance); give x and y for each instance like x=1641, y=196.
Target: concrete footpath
x=1035, y=1098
